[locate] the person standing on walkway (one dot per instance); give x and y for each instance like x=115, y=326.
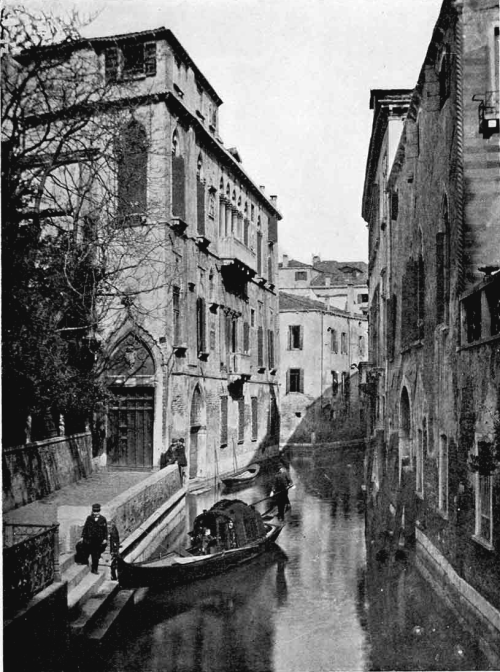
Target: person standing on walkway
x=95, y=536
x=281, y=485
x=180, y=458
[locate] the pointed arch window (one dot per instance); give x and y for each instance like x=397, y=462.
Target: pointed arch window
x=200, y=197
x=443, y=266
x=178, y=179
x=132, y=169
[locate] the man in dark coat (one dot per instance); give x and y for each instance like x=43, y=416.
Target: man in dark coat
x=281, y=485
x=95, y=535
x=179, y=452
x=114, y=549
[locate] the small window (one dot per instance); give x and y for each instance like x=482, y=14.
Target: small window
x=295, y=337
x=472, y=307
x=362, y=298
x=394, y=206
x=334, y=341
x=300, y=275
x=246, y=338
x=255, y=426
x=343, y=343
x=241, y=420
x=295, y=380
x=484, y=498
x=223, y=420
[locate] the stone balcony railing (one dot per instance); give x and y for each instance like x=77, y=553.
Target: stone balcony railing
x=232, y=248
x=30, y=561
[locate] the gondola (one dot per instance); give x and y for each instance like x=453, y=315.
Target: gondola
x=242, y=477
x=227, y=535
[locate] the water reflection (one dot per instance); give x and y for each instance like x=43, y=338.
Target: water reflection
x=312, y=604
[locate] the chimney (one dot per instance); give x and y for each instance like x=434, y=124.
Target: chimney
x=327, y=281
x=274, y=200
x=316, y=259
x=285, y=261
x=262, y=187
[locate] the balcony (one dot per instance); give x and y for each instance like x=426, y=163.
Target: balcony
x=488, y=112
x=232, y=250
x=241, y=365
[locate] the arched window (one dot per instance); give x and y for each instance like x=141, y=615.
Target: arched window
x=443, y=265
x=132, y=160
x=200, y=197
x=221, y=185
x=178, y=179
x=404, y=411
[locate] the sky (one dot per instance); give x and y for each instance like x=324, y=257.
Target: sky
x=295, y=77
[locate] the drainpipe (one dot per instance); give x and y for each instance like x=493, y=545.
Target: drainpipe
x=459, y=144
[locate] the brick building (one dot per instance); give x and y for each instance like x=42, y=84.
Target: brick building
x=432, y=204
x=190, y=342
x=321, y=350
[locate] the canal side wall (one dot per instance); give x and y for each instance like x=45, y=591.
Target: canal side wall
x=35, y=470
x=474, y=612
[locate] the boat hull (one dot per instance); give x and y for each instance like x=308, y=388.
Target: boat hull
x=243, y=478
x=136, y=575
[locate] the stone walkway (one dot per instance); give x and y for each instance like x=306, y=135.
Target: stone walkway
x=101, y=487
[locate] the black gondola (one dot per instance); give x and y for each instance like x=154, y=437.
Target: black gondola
x=227, y=535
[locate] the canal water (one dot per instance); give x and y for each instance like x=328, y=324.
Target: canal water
x=310, y=605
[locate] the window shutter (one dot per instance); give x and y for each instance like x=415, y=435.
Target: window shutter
x=288, y=381
x=254, y=419
x=223, y=420
x=241, y=419
x=260, y=347
x=272, y=232
x=201, y=317
x=301, y=381
x=301, y=337
x=200, y=195
x=259, y=253
x=150, y=58
x=289, y=337
x=178, y=187
x=111, y=56
x=246, y=337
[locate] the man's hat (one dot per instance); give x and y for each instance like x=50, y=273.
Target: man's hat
x=96, y=508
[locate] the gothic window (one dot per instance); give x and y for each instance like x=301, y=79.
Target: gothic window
x=334, y=341
x=132, y=168
x=178, y=179
x=443, y=266
x=200, y=197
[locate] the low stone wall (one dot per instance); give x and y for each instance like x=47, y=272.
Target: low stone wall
x=33, y=471
x=474, y=612
x=128, y=511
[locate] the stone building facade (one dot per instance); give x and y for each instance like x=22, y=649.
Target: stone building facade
x=191, y=341
x=338, y=284
x=432, y=204
x=321, y=350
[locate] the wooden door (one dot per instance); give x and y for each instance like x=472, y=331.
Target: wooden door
x=130, y=429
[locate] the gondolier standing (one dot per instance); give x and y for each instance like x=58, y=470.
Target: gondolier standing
x=281, y=485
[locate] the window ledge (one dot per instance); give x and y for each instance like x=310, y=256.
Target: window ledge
x=482, y=542
x=482, y=341
x=240, y=443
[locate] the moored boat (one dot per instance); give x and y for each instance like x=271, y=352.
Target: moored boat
x=227, y=535
x=242, y=477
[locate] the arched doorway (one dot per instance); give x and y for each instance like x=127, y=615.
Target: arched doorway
x=131, y=409
x=197, y=436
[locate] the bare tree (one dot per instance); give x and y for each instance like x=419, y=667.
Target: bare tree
x=80, y=236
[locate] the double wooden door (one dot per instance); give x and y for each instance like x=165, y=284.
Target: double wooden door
x=130, y=428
